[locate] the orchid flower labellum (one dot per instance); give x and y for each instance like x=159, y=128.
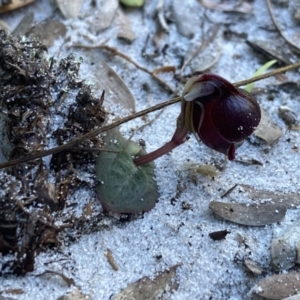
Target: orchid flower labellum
x=219, y=114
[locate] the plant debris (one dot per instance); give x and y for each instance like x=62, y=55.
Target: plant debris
x=147, y=288
x=249, y=214
x=69, y=9
x=219, y=235
x=267, y=130
x=278, y=286
x=34, y=194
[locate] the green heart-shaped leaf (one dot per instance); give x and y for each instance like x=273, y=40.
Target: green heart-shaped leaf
x=122, y=186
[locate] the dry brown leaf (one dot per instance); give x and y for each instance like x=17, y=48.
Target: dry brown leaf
x=253, y=267
x=103, y=15
x=14, y=5
x=76, y=294
x=13, y=291
x=124, y=27
x=291, y=200
x=164, y=69
x=111, y=260
x=240, y=7
x=69, y=8
x=288, y=116
x=48, y=32
x=267, y=130
x=249, y=214
x=116, y=91
x=146, y=288
x=273, y=49
x=279, y=286
x=207, y=170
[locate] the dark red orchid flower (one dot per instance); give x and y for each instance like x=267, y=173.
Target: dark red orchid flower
x=219, y=114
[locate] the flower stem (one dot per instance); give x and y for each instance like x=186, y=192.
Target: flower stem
x=178, y=138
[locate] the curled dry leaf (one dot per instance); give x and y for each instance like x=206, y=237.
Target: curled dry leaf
x=69, y=9
x=207, y=170
x=15, y=4
x=249, y=214
x=290, y=200
x=146, y=288
x=253, y=267
x=267, y=130
x=241, y=6
x=124, y=27
x=122, y=186
x=279, y=286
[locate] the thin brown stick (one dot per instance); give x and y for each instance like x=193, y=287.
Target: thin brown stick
x=279, y=29
x=87, y=136
x=95, y=132
x=267, y=75
x=115, y=51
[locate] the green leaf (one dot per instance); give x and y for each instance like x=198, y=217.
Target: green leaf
x=132, y=3
x=263, y=68
x=122, y=186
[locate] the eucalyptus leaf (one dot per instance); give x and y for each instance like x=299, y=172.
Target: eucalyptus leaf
x=147, y=288
x=122, y=186
x=249, y=214
x=279, y=286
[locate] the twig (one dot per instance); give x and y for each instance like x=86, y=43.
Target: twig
x=88, y=135
x=115, y=51
x=267, y=75
x=95, y=132
x=279, y=29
